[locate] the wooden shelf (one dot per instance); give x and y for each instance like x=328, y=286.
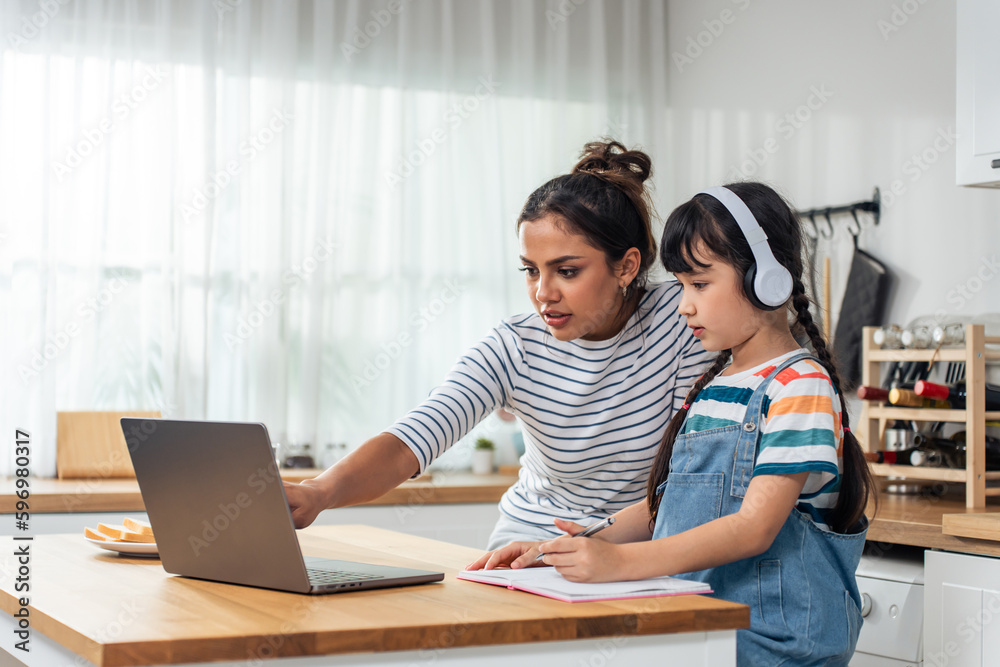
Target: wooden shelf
x=883, y=411
x=933, y=474
x=874, y=416
x=916, y=414
x=946, y=354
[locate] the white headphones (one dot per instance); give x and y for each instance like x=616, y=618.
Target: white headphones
x=768, y=284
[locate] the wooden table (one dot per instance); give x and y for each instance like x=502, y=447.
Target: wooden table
x=113, y=610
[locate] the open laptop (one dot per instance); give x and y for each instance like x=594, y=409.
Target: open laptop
x=218, y=509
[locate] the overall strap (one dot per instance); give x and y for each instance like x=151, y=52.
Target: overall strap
x=746, y=447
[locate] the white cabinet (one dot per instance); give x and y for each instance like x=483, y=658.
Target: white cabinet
x=961, y=610
x=977, y=88
x=891, y=584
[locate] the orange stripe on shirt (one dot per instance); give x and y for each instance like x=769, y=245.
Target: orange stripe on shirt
x=807, y=404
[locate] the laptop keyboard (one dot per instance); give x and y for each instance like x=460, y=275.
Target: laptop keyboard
x=321, y=577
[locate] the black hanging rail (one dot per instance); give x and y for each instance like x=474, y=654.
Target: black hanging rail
x=874, y=206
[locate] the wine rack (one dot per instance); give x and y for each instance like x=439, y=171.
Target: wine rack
x=976, y=353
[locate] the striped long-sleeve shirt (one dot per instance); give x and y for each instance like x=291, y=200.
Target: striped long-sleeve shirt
x=592, y=412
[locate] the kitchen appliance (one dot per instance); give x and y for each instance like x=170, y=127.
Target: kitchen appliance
x=891, y=582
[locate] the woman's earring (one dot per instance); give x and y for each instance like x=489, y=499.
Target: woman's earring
x=624, y=291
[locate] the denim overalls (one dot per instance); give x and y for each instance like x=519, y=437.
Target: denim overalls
x=802, y=594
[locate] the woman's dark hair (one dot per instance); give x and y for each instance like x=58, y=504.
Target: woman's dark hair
x=604, y=200
x=705, y=223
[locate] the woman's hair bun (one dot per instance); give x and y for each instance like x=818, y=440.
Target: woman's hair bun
x=609, y=159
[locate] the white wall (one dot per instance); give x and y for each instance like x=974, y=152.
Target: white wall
x=890, y=95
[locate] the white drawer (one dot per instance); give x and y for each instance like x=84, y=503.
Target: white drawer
x=894, y=624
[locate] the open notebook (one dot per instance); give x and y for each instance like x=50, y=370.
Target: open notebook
x=548, y=582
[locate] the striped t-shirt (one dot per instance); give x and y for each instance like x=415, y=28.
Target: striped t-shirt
x=592, y=412
x=801, y=430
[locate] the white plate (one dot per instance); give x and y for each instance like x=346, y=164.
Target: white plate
x=141, y=549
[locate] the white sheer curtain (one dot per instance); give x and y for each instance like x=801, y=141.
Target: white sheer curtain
x=298, y=213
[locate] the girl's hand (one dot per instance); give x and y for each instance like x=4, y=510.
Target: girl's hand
x=515, y=555
x=585, y=559
x=582, y=559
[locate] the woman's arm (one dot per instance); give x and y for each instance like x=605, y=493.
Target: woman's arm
x=474, y=388
x=375, y=468
x=749, y=532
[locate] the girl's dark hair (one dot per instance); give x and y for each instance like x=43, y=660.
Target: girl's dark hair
x=704, y=221
x=603, y=199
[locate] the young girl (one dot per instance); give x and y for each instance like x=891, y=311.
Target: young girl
x=758, y=488
x=593, y=374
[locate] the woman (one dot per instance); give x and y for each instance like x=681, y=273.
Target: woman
x=594, y=374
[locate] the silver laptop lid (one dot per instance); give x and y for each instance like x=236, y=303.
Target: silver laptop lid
x=216, y=502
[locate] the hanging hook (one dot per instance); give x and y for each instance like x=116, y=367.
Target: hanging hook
x=855, y=231
x=815, y=230
x=829, y=225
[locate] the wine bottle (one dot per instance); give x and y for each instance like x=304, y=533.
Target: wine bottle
x=900, y=457
x=873, y=393
x=910, y=399
x=992, y=448
x=925, y=457
x=928, y=455
x=956, y=394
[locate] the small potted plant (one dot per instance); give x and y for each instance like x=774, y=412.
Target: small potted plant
x=482, y=456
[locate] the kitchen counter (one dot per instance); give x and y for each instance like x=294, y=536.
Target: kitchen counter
x=921, y=521
x=122, y=495
x=114, y=610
